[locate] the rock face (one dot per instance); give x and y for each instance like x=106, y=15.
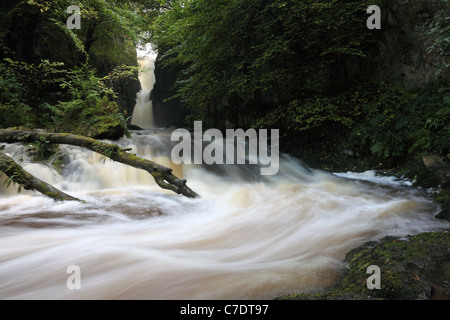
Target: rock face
x=126, y=98
x=402, y=45
x=168, y=111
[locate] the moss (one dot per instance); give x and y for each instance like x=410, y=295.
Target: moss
x=302, y=296
x=404, y=263
x=108, y=151
x=443, y=198
x=54, y=42
x=58, y=161
x=109, y=128
x=410, y=269
x=98, y=125
x=45, y=152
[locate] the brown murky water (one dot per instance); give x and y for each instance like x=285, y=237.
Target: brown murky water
x=245, y=238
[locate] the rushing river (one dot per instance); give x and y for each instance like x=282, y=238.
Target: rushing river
x=246, y=237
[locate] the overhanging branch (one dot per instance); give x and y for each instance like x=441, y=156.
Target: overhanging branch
x=163, y=176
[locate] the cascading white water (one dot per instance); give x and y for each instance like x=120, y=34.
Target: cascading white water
x=246, y=237
x=143, y=110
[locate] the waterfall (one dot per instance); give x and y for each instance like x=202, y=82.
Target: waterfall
x=143, y=110
x=244, y=238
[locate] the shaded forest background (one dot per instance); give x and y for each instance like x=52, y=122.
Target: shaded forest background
x=309, y=68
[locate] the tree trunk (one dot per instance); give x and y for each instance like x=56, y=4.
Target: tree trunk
x=30, y=182
x=162, y=175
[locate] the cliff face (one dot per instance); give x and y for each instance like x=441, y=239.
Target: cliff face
x=126, y=99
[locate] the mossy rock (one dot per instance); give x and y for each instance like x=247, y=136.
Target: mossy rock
x=412, y=268
x=105, y=128
x=111, y=129
x=408, y=267
x=47, y=153
x=416, y=170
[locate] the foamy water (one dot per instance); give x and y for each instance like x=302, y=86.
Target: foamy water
x=244, y=238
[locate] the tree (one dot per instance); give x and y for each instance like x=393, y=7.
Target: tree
x=441, y=31
x=17, y=175
x=241, y=59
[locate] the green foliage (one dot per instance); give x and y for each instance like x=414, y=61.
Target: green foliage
x=83, y=84
x=309, y=114
x=299, y=66
x=48, y=96
x=13, y=108
x=87, y=117
x=90, y=105
x=438, y=122
x=241, y=59
x=50, y=80
x=120, y=72
x=13, y=179
x=371, y=119
x=397, y=122
x=385, y=127
x=39, y=89
x=43, y=151
x=441, y=31
x=100, y=20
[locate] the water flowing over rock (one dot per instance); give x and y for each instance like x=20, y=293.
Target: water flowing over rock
x=133, y=240
x=143, y=116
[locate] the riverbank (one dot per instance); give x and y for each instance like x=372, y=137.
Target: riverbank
x=412, y=267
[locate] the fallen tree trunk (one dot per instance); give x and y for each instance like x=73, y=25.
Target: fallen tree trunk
x=29, y=182
x=163, y=176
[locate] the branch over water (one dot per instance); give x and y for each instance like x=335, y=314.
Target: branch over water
x=163, y=176
x=29, y=182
